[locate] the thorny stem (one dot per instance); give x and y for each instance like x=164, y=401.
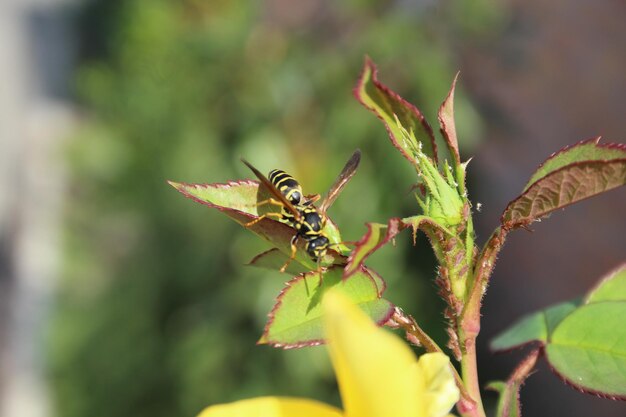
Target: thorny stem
x=418, y=337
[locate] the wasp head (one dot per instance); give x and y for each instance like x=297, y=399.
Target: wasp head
x=316, y=248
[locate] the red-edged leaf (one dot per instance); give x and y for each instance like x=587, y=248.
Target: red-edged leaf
x=376, y=236
x=385, y=103
x=446, y=122
x=238, y=200
x=586, y=150
x=296, y=319
x=573, y=174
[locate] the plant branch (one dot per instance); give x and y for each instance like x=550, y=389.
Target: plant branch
x=482, y=272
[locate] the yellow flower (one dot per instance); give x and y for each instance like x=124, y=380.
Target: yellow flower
x=378, y=375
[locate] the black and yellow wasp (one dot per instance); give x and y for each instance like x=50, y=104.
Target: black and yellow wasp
x=298, y=211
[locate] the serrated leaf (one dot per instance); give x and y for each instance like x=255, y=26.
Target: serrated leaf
x=238, y=200
x=588, y=150
x=536, y=327
x=296, y=319
x=509, y=402
x=424, y=223
x=447, y=125
x=376, y=236
x=569, y=176
x=588, y=349
x=385, y=103
x=379, y=234
x=610, y=288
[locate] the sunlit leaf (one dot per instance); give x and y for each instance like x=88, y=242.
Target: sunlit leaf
x=296, y=319
x=571, y=175
x=588, y=349
x=536, y=327
x=385, y=103
x=274, y=259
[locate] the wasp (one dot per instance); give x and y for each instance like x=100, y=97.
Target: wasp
x=298, y=211
x=287, y=185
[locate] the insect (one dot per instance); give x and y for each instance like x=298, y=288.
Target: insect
x=298, y=210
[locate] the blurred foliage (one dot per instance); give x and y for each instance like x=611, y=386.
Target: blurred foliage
x=156, y=316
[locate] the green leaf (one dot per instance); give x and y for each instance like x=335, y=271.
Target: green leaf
x=571, y=175
x=585, y=344
x=536, y=327
x=385, y=103
x=296, y=319
x=274, y=259
x=611, y=288
x=238, y=200
x=588, y=349
x=381, y=285
x=447, y=125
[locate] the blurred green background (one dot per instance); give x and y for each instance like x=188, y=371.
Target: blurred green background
x=155, y=313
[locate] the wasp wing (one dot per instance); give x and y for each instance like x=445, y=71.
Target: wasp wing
x=272, y=189
x=346, y=174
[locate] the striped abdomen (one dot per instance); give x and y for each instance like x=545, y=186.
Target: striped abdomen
x=287, y=186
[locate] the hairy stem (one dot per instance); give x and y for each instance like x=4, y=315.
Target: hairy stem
x=469, y=325
x=469, y=371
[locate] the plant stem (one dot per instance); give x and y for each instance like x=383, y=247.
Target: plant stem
x=469, y=371
x=469, y=325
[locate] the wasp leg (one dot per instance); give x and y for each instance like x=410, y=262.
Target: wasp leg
x=263, y=216
x=319, y=271
x=266, y=215
x=294, y=249
x=269, y=201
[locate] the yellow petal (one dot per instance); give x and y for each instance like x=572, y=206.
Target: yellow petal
x=438, y=391
x=272, y=407
x=373, y=366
